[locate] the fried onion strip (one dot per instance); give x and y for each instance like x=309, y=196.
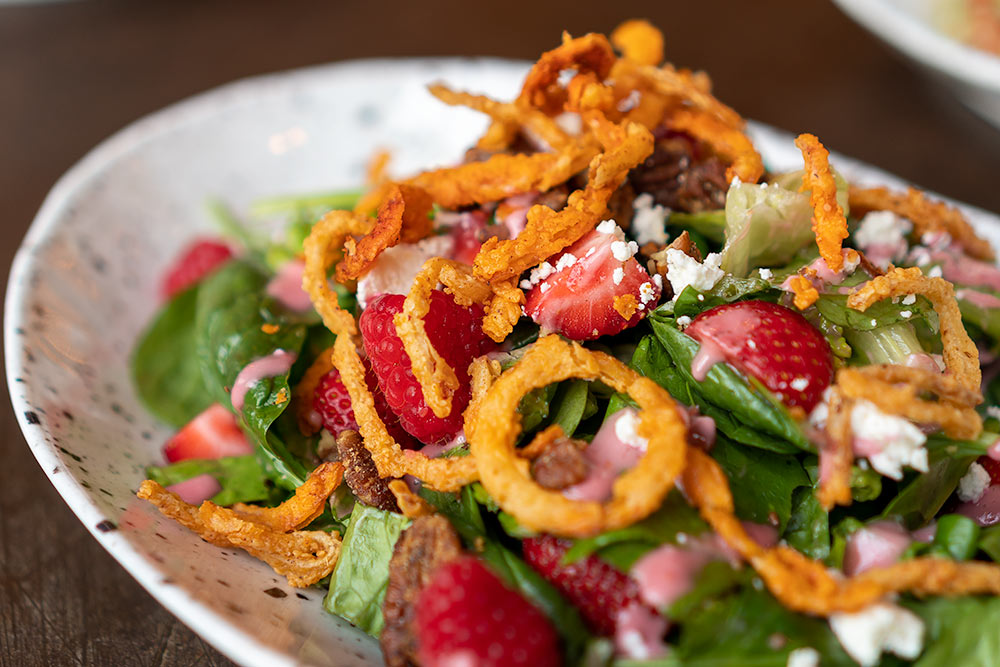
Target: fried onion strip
x=836, y=455
x=727, y=141
x=302, y=395
x=805, y=292
x=448, y=474
x=639, y=41
x=410, y=504
x=303, y=557
x=321, y=249
x=829, y=221
x=302, y=508
x=590, y=53
x=635, y=493
x=926, y=215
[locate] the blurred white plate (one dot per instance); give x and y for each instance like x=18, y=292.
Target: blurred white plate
x=909, y=27
x=83, y=286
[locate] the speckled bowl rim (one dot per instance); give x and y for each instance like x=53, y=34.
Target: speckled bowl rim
x=228, y=637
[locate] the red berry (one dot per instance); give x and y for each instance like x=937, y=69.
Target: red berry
x=454, y=331
x=599, y=590
x=198, y=260
x=467, y=616
x=992, y=467
x=467, y=235
x=577, y=299
x=774, y=344
x=332, y=403
x=211, y=435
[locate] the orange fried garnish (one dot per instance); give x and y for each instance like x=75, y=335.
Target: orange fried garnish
x=585, y=92
x=410, y=504
x=829, y=222
x=506, y=476
x=547, y=231
x=403, y=216
x=729, y=142
x=805, y=292
x=446, y=474
x=590, y=53
x=626, y=305
x=483, y=372
x=639, y=41
x=926, y=215
x=503, y=309
x=541, y=442
x=303, y=556
x=377, y=171
x=836, y=455
x=304, y=391
x=321, y=249
x=302, y=508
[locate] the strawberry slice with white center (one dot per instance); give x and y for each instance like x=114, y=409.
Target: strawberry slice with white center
x=211, y=435
x=593, y=288
x=771, y=343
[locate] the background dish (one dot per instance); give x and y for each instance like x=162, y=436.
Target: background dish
x=82, y=288
x=908, y=26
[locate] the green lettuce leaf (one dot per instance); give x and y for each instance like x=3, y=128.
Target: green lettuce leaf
x=920, y=499
x=960, y=631
x=241, y=477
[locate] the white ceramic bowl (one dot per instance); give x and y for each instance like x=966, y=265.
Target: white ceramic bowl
x=908, y=26
x=83, y=286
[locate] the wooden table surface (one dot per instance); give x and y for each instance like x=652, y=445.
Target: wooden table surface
x=72, y=73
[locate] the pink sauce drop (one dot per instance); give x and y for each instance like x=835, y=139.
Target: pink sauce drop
x=925, y=534
x=286, y=287
x=877, y=545
x=197, y=489
x=994, y=451
x=967, y=271
x=924, y=361
x=708, y=355
x=667, y=573
x=639, y=632
x=518, y=217
x=276, y=363
x=977, y=298
x=608, y=455
x=986, y=510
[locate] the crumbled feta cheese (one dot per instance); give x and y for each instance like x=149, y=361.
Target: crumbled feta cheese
x=683, y=270
x=394, y=270
x=906, y=313
x=627, y=429
x=648, y=220
x=973, y=484
x=803, y=657
x=545, y=287
x=993, y=411
x=874, y=322
x=799, y=384
x=623, y=251
x=538, y=274
x=683, y=321
x=611, y=227
x=765, y=274
x=658, y=280
x=736, y=182
x=880, y=627
x=618, y=275
x=567, y=260
x=935, y=272
x=909, y=299
x=883, y=228
x=893, y=441
x=646, y=293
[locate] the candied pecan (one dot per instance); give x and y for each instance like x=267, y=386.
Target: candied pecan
x=620, y=205
x=423, y=547
x=682, y=176
x=561, y=465
x=361, y=475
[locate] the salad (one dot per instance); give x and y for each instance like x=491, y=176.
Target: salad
x=606, y=392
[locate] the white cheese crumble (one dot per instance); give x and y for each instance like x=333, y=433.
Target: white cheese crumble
x=803, y=657
x=683, y=321
x=973, y=484
x=683, y=270
x=567, y=260
x=611, y=227
x=799, y=384
x=623, y=251
x=394, y=270
x=765, y=274
x=646, y=293
x=935, y=272
x=901, y=443
x=909, y=299
x=906, y=313
x=618, y=275
x=648, y=220
x=627, y=429
x=993, y=411
x=880, y=627
x=537, y=275
x=883, y=228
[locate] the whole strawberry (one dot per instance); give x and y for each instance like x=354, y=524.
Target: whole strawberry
x=197, y=261
x=771, y=343
x=467, y=616
x=597, y=589
x=454, y=331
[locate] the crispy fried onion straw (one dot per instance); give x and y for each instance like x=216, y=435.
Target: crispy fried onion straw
x=447, y=474
x=926, y=215
x=410, y=504
x=403, y=216
x=547, y=231
x=829, y=221
x=302, y=395
x=639, y=41
x=303, y=556
x=805, y=292
x=805, y=585
x=836, y=455
x=506, y=477
x=729, y=142
x=321, y=249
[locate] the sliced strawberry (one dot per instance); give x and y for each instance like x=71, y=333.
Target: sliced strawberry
x=198, y=260
x=597, y=589
x=771, y=343
x=593, y=288
x=454, y=331
x=332, y=403
x=211, y=435
x=467, y=616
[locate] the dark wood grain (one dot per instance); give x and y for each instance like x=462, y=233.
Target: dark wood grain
x=72, y=73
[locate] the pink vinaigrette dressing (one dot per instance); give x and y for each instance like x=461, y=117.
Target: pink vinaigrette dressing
x=277, y=363
x=286, y=287
x=708, y=355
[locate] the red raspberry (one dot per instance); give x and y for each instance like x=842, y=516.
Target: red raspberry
x=333, y=404
x=596, y=588
x=198, y=260
x=454, y=331
x=466, y=616
x=992, y=467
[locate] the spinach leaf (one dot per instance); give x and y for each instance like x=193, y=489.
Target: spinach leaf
x=921, y=498
x=231, y=311
x=989, y=542
x=881, y=313
x=165, y=368
x=808, y=528
x=361, y=576
x=747, y=402
x=762, y=482
x=960, y=631
x=570, y=404
x=240, y=477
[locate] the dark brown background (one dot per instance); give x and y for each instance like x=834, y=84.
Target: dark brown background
x=72, y=73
